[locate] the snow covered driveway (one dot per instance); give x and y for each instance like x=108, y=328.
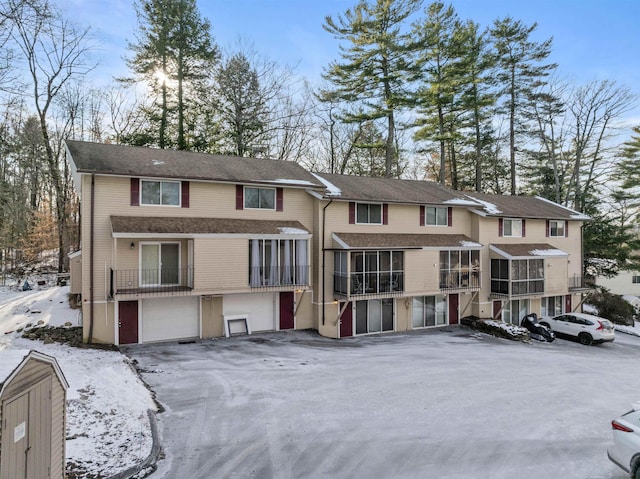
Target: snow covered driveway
x=441, y=404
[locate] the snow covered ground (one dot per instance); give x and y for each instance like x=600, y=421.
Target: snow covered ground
x=107, y=423
x=445, y=404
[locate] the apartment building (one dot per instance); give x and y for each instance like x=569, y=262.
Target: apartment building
x=181, y=245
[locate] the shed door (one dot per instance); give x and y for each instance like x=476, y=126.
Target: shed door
x=26, y=434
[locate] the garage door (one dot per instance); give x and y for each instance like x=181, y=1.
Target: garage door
x=260, y=307
x=166, y=319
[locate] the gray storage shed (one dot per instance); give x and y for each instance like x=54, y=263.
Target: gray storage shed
x=33, y=394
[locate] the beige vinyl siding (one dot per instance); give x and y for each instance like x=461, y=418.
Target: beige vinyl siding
x=103, y=323
x=75, y=268
x=221, y=264
x=304, y=311
x=555, y=281
x=31, y=373
x=421, y=272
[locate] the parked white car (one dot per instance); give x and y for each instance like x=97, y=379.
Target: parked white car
x=625, y=451
x=586, y=327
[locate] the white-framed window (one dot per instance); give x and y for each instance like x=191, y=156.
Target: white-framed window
x=429, y=311
x=278, y=262
x=369, y=213
x=373, y=315
x=635, y=279
x=515, y=310
x=259, y=198
x=436, y=216
x=552, y=306
x=160, y=192
x=512, y=227
x=557, y=228
x=159, y=263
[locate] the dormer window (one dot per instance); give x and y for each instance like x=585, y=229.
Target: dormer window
x=164, y=193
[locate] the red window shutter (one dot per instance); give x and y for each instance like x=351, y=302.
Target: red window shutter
x=185, y=194
x=524, y=227
x=547, y=232
x=279, y=202
x=385, y=214
x=239, y=197
x=449, y=216
x=422, y=214
x=566, y=229
x=135, y=191
x=352, y=213
x=500, y=227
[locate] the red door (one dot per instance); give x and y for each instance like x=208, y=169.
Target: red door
x=127, y=322
x=453, y=309
x=346, y=321
x=567, y=304
x=497, y=306
x=286, y=310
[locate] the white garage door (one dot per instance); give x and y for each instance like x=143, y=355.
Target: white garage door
x=260, y=307
x=169, y=318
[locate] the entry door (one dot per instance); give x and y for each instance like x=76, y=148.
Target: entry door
x=26, y=434
x=567, y=304
x=453, y=309
x=346, y=321
x=286, y=310
x=127, y=322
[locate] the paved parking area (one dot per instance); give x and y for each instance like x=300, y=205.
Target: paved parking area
x=440, y=404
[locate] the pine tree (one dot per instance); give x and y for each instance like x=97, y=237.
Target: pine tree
x=521, y=69
x=376, y=64
x=174, y=52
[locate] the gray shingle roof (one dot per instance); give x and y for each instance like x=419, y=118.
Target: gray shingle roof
x=404, y=241
x=125, y=160
x=179, y=225
x=524, y=207
x=364, y=188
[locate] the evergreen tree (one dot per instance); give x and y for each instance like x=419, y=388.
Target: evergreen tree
x=440, y=37
x=520, y=69
x=376, y=64
x=174, y=53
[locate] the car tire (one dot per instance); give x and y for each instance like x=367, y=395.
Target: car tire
x=637, y=473
x=586, y=340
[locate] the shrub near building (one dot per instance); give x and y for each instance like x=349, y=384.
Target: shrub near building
x=612, y=307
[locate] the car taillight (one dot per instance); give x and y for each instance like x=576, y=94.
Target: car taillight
x=616, y=425
x=600, y=326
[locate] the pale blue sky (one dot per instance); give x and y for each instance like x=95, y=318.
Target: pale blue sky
x=593, y=39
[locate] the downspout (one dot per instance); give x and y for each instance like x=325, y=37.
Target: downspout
x=91, y=257
x=324, y=215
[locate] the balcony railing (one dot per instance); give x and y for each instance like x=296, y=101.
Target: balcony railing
x=279, y=277
x=584, y=283
x=503, y=288
x=151, y=281
x=459, y=280
x=361, y=284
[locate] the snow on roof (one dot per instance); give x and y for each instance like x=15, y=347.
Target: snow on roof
x=292, y=231
x=294, y=182
x=461, y=201
x=470, y=244
x=489, y=208
x=10, y=359
x=576, y=215
x=332, y=190
x=548, y=252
